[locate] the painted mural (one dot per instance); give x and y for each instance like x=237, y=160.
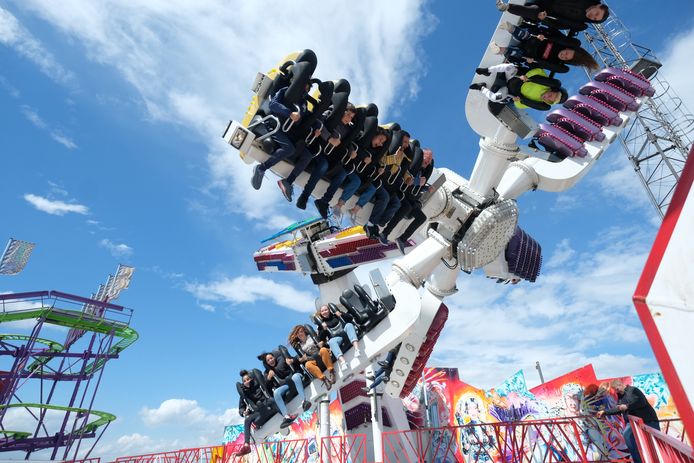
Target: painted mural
x=465, y=418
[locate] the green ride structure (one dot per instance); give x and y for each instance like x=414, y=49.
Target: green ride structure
x=48, y=387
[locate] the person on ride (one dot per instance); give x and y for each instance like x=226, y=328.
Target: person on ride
x=321, y=163
x=310, y=352
x=530, y=90
x=383, y=373
x=330, y=328
x=420, y=170
x=337, y=166
x=366, y=156
x=278, y=372
x=544, y=48
x=395, y=173
x=559, y=14
x=285, y=147
x=251, y=400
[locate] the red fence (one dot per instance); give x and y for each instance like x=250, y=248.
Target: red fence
x=575, y=439
x=656, y=446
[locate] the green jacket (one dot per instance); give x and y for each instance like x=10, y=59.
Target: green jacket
x=537, y=85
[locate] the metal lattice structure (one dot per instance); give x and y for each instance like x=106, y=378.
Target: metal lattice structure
x=48, y=388
x=657, y=140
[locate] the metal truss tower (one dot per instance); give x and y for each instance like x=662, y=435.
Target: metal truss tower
x=658, y=139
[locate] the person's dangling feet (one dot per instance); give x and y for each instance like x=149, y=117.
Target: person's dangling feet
x=244, y=450
x=337, y=213
x=402, y=244
x=306, y=405
x=301, y=201
x=507, y=26
x=258, y=174
x=478, y=86
x=483, y=71
x=353, y=214
x=287, y=421
x=322, y=207
x=331, y=372
x=286, y=188
x=501, y=6
x=495, y=48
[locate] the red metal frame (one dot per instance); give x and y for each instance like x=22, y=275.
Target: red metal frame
x=679, y=197
x=535, y=441
x=344, y=449
x=656, y=446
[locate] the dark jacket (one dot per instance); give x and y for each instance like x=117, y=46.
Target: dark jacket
x=279, y=109
x=545, y=53
x=282, y=370
x=252, y=394
x=334, y=324
x=637, y=405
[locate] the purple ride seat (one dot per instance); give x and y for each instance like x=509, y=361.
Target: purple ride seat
x=594, y=109
x=560, y=141
x=626, y=80
x=577, y=124
x=611, y=94
x=523, y=255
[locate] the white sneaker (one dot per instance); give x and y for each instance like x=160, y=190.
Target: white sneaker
x=357, y=353
x=501, y=6
x=495, y=48
x=343, y=365
x=507, y=26
x=337, y=214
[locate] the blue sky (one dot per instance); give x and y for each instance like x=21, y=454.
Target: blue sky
x=111, y=152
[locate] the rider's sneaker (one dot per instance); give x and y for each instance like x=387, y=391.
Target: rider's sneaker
x=286, y=188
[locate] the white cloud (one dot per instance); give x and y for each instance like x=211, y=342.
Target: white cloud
x=562, y=254
x=578, y=312
x=187, y=412
x=116, y=249
x=13, y=34
x=173, y=411
x=192, y=65
x=55, y=207
x=250, y=289
x=56, y=134
x=679, y=52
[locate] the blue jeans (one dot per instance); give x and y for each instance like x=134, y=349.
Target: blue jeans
x=366, y=195
x=630, y=440
x=353, y=183
x=335, y=183
x=277, y=394
x=334, y=343
x=391, y=208
x=285, y=148
x=301, y=163
x=382, y=198
x=319, y=169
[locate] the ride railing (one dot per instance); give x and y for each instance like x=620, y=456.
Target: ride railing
x=350, y=448
x=57, y=300
x=583, y=439
x=571, y=439
x=660, y=446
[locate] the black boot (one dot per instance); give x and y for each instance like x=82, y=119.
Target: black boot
x=301, y=201
x=483, y=71
x=478, y=86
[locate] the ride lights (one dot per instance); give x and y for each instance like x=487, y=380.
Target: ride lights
x=395, y=383
x=488, y=235
x=404, y=360
x=399, y=372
